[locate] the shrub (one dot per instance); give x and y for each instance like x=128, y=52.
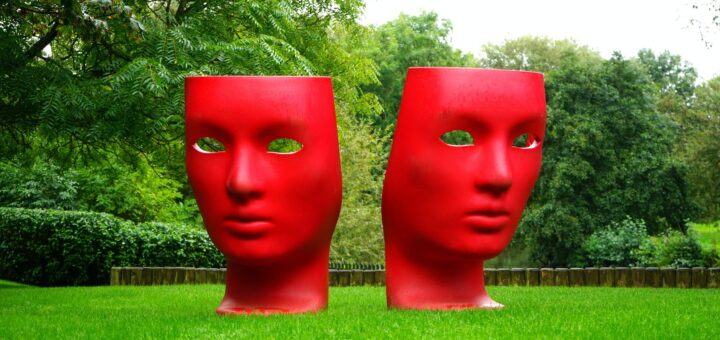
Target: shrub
x=620, y=244
x=52, y=247
x=137, y=193
x=680, y=250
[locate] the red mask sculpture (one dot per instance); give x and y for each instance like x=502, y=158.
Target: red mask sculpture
x=446, y=208
x=272, y=214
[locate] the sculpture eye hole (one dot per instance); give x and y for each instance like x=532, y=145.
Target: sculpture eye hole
x=209, y=145
x=526, y=141
x=457, y=138
x=284, y=146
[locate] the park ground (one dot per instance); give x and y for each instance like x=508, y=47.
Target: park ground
x=186, y=311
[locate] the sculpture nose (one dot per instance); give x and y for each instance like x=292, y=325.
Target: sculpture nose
x=245, y=180
x=494, y=173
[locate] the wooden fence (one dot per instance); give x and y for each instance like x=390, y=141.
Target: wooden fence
x=698, y=277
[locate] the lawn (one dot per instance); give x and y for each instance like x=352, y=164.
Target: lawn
x=10, y=284
x=708, y=234
x=186, y=311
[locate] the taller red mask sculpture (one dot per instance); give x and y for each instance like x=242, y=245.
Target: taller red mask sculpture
x=448, y=205
x=270, y=211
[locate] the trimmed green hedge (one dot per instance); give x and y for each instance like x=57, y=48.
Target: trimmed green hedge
x=58, y=248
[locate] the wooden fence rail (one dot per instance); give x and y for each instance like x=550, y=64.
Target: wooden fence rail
x=697, y=277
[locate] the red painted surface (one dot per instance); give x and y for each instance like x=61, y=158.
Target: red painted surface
x=272, y=215
x=447, y=208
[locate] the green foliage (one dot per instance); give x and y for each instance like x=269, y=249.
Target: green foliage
x=679, y=250
x=284, y=145
x=51, y=248
x=457, y=137
x=538, y=54
x=96, y=88
x=670, y=73
x=138, y=194
x=358, y=236
x=607, y=155
x=408, y=41
x=701, y=149
x=619, y=244
x=627, y=244
x=107, y=101
x=708, y=234
x=43, y=185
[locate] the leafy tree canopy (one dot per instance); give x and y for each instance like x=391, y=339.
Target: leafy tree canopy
x=407, y=41
x=607, y=152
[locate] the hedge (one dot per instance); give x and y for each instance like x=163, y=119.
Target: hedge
x=59, y=248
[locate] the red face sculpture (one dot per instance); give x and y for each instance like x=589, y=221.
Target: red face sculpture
x=266, y=209
x=450, y=203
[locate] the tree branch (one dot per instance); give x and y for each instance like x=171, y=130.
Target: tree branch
x=39, y=45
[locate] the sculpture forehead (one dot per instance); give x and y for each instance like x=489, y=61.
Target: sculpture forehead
x=435, y=92
x=259, y=100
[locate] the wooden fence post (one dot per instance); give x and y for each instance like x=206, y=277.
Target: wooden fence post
x=577, y=277
x=490, y=276
x=713, y=278
x=638, y=276
x=356, y=278
x=606, y=276
x=135, y=276
x=533, y=277
x=200, y=276
x=223, y=275
x=699, y=277
x=562, y=277
x=380, y=277
x=333, y=278
x=503, y=277
x=518, y=277
x=343, y=278
x=157, y=275
x=125, y=276
x=114, y=276
x=668, y=276
x=622, y=277
x=547, y=277
x=168, y=275
x=683, y=278
x=592, y=276
x=652, y=277
x=369, y=278
x=180, y=275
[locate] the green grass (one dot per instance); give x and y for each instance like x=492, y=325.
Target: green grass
x=358, y=312
x=10, y=284
x=708, y=234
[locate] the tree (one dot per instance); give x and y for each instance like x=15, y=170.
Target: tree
x=670, y=73
x=539, y=54
x=407, y=41
x=92, y=83
x=607, y=155
x=701, y=149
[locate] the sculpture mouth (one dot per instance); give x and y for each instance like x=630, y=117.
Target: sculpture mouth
x=487, y=220
x=247, y=226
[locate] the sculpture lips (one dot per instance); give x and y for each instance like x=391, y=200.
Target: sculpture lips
x=247, y=226
x=487, y=220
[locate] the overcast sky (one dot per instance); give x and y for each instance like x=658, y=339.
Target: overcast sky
x=605, y=26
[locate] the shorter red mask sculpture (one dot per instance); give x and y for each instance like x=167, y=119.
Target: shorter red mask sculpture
x=448, y=205
x=263, y=162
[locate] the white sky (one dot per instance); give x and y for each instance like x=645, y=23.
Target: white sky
x=603, y=25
